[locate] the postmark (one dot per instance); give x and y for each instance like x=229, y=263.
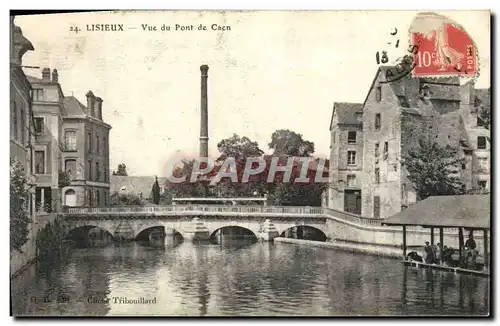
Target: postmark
x=444, y=47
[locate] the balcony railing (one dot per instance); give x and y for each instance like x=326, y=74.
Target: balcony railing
x=228, y=209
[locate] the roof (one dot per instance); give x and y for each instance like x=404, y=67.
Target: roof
x=33, y=79
x=446, y=211
x=346, y=112
x=74, y=107
x=135, y=184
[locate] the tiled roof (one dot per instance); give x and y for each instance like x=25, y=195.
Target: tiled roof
x=346, y=112
x=74, y=107
x=135, y=184
x=446, y=211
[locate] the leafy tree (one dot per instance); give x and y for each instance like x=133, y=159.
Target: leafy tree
x=484, y=111
x=238, y=148
x=155, y=192
x=117, y=199
x=433, y=169
x=122, y=170
x=19, y=202
x=287, y=142
x=186, y=188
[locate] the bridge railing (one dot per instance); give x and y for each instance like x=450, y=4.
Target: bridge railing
x=197, y=208
x=354, y=218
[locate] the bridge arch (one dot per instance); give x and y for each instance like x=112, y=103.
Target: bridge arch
x=143, y=234
x=306, y=232
x=234, y=230
x=83, y=233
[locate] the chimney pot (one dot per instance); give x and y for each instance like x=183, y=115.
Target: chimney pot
x=98, y=111
x=90, y=102
x=55, y=76
x=46, y=74
x=204, y=70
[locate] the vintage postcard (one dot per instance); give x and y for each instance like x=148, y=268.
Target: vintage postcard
x=250, y=163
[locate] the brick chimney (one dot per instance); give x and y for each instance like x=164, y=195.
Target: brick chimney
x=98, y=108
x=55, y=76
x=46, y=74
x=90, y=102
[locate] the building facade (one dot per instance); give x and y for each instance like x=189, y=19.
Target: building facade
x=48, y=113
x=346, y=158
x=393, y=117
x=21, y=113
x=85, y=154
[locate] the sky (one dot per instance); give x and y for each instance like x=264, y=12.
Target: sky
x=272, y=70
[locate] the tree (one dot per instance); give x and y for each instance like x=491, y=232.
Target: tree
x=155, y=192
x=117, y=199
x=433, y=169
x=19, y=202
x=122, y=170
x=483, y=110
x=287, y=142
x=239, y=148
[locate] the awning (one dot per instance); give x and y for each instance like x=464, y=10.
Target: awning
x=467, y=211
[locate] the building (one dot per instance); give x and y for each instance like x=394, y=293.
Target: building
x=72, y=147
x=393, y=117
x=21, y=113
x=346, y=157
x=48, y=113
x=140, y=186
x=85, y=154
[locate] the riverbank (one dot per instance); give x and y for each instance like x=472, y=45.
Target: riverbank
x=367, y=248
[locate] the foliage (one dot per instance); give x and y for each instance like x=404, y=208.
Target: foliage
x=64, y=179
x=484, y=112
x=238, y=148
x=49, y=239
x=117, y=199
x=19, y=206
x=287, y=142
x=432, y=169
x=122, y=170
x=155, y=192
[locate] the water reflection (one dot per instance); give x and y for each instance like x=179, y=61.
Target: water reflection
x=257, y=278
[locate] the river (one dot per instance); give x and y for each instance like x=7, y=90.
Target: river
x=243, y=279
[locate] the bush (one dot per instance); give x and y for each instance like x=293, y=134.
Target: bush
x=19, y=206
x=117, y=199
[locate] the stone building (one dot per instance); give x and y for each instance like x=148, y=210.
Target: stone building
x=346, y=157
x=394, y=115
x=85, y=155
x=48, y=111
x=72, y=142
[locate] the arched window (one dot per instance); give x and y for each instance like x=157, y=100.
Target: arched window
x=90, y=197
x=70, y=197
x=97, y=199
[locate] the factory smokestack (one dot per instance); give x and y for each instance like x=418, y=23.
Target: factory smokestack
x=204, y=113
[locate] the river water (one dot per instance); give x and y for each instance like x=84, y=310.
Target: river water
x=243, y=279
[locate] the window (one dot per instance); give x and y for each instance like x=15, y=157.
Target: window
x=378, y=94
x=23, y=121
x=97, y=199
x=38, y=94
x=483, y=163
x=464, y=166
x=13, y=131
x=377, y=149
x=70, y=140
x=351, y=181
x=376, y=206
x=351, y=157
x=377, y=121
x=333, y=137
x=97, y=144
x=404, y=193
x=70, y=168
x=105, y=175
x=89, y=142
x=104, y=145
x=39, y=126
x=482, y=184
x=97, y=172
x=386, y=150
x=351, y=137
x=89, y=170
x=90, y=197
x=39, y=162
x=481, y=142
x=479, y=122
x=377, y=175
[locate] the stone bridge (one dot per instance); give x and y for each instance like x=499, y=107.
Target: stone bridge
x=266, y=222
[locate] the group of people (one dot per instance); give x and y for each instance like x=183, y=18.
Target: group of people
x=437, y=253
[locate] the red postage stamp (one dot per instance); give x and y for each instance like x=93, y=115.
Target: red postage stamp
x=442, y=47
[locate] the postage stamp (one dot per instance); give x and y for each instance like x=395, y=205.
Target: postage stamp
x=444, y=48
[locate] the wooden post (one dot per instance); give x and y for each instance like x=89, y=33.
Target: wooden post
x=441, y=240
x=486, y=254
x=460, y=245
x=432, y=236
x=404, y=241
